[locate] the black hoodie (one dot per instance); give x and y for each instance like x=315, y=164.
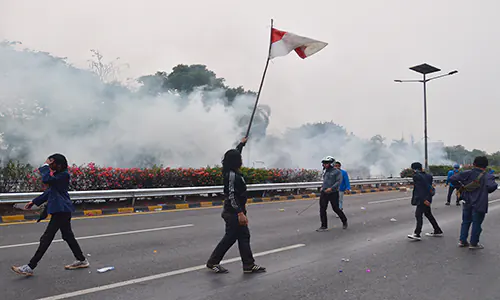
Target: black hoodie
x=235, y=189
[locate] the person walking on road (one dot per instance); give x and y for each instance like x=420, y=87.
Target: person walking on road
x=235, y=215
x=60, y=207
x=332, y=179
x=474, y=186
x=451, y=187
x=345, y=185
x=423, y=191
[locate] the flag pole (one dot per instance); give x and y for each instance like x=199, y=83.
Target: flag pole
x=262, y=80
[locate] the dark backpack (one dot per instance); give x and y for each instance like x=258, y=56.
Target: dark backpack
x=432, y=190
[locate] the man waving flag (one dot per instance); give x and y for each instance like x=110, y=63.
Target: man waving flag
x=283, y=42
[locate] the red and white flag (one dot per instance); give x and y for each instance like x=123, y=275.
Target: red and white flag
x=283, y=42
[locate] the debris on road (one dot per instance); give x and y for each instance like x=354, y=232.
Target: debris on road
x=363, y=208
x=102, y=270
x=282, y=209
x=393, y=220
x=368, y=271
x=345, y=259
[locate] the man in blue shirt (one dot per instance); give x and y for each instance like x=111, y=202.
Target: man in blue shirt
x=60, y=207
x=345, y=185
x=451, y=188
x=474, y=185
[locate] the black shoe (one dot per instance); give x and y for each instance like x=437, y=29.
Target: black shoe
x=254, y=269
x=322, y=229
x=458, y=203
x=344, y=226
x=463, y=244
x=415, y=237
x=217, y=268
x=447, y=204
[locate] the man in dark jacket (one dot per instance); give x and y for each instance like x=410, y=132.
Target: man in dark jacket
x=422, y=199
x=234, y=214
x=332, y=179
x=60, y=207
x=474, y=186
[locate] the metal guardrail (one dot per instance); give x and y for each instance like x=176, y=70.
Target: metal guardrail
x=185, y=191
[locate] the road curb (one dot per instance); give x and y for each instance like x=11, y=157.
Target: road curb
x=163, y=207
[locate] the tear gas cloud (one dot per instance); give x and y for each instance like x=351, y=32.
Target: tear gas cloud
x=47, y=106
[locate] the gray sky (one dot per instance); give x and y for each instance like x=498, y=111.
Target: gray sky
x=371, y=43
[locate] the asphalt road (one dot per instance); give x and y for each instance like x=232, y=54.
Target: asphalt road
x=161, y=255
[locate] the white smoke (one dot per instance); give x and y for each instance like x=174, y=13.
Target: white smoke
x=48, y=106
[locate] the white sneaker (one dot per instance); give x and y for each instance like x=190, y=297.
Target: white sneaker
x=77, y=264
x=432, y=234
x=414, y=237
x=23, y=270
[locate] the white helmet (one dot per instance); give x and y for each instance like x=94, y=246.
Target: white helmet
x=328, y=160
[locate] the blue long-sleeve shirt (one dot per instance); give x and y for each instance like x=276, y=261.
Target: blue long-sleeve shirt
x=56, y=196
x=345, y=184
x=451, y=173
x=478, y=198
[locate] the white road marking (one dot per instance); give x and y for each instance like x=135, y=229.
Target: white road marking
x=395, y=199
x=103, y=235
x=159, y=276
x=389, y=200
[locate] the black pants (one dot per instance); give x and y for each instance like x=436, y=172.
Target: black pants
x=58, y=221
x=333, y=198
x=425, y=210
x=450, y=192
x=234, y=232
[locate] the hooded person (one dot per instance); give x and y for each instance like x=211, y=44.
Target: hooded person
x=332, y=179
x=234, y=214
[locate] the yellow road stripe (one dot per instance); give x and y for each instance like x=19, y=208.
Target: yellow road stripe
x=152, y=208
x=125, y=210
x=15, y=218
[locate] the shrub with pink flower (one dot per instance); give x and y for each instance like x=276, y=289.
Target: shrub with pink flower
x=91, y=177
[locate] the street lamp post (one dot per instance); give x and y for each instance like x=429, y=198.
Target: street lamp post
x=426, y=69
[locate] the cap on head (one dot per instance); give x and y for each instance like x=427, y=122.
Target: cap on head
x=481, y=162
x=456, y=166
x=416, y=166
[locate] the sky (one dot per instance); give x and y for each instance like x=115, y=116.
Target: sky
x=351, y=81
